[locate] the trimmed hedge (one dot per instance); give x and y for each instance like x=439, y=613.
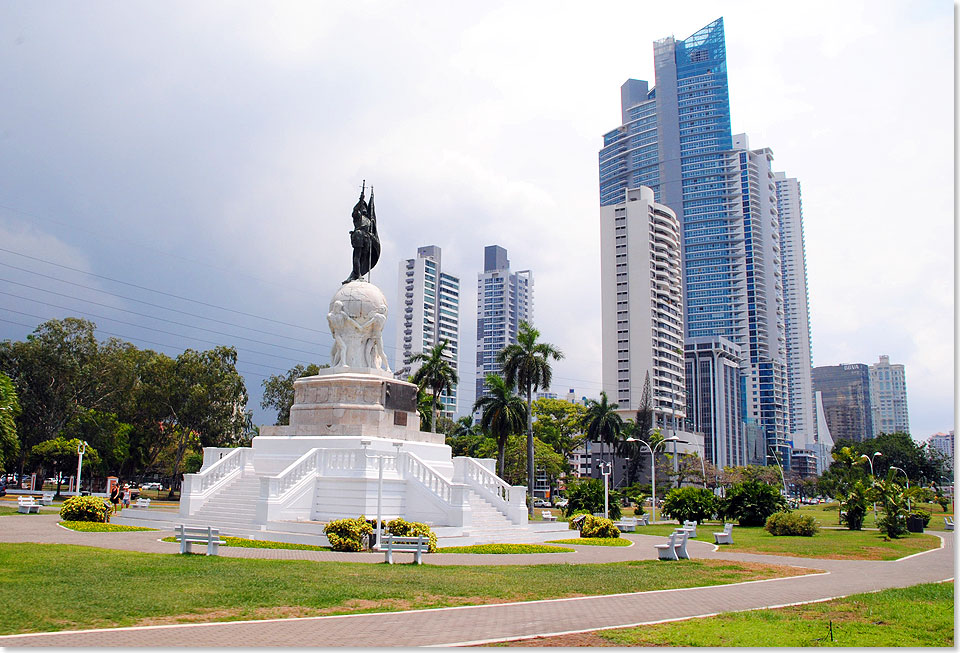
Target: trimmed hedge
x=791, y=523
x=85, y=509
x=598, y=527
x=348, y=534
x=403, y=528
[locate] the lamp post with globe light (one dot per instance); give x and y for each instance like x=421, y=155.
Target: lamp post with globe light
x=873, y=478
x=653, y=468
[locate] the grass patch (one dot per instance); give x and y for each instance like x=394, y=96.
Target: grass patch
x=505, y=548
x=99, y=527
x=12, y=510
x=827, y=514
x=595, y=541
x=831, y=544
x=128, y=588
x=244, y=543
x=921, y=615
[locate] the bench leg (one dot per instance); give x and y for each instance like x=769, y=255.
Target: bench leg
x=389, y=556
x=212, y=548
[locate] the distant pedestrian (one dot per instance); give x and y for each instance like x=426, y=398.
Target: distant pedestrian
x=115, y=494
x=126, y=495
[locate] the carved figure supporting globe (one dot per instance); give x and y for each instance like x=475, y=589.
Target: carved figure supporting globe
x=358, y=312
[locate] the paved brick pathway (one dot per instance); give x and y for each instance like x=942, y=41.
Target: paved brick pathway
x=489, y=622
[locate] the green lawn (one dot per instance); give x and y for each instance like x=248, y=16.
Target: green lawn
x=595, y=541
x=45, y=587
x=837, y=544
x=505, y=548
x=916, y=616
x=260, y=544
x=10, y=508
x=827, y=514
x=99, y=527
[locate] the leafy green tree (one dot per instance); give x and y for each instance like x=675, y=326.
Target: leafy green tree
x=586, y=494
x=61, y=454
x=897, y=450
x=436, y=373
x=57, y=369
x=559, y=423
x=751, y=502
x=890, y=494
x=9, y=410
x=105, y=433
x=689, y=504
x=502, y=414
x=544, y=458
x=601, y=422
x=278, y=390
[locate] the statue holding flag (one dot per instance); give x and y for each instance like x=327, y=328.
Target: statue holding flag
x=364, y=238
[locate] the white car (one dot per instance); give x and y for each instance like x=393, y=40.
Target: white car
x=151, y=486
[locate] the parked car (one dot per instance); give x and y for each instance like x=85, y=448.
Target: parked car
x=561, y=503
x=541, y=503
x=151, y=486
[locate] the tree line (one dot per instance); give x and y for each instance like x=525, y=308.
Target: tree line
x=142, y=413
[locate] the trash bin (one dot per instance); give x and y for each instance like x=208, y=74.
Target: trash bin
x=915, y=523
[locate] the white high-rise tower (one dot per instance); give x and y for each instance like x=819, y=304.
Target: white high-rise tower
x=430, y=300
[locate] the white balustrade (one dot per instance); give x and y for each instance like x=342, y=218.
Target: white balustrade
x=197, y=488
x=508, y=499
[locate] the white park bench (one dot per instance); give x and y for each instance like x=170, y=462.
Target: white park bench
x=546, y=515
x=627, y=524
x=417, y=545
x=27, y=505
x=644, y=520
x=187, y=535
x=692, y=525
x=683, y=534
x=142, y=503
x=668, y=551
x=948, y=523
x=726, y=537
x=46, y=499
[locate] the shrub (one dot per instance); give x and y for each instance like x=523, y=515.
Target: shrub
x=402, y=528
x=791, y=523
x=942, y=501
x=348, y=534
x=587, y=495
x=85, y=509
x=689, y=504
x=598, y=527
x=894, y=521
x=854, y=507
x=572, y=515
x=751, y=502
x=922, y=514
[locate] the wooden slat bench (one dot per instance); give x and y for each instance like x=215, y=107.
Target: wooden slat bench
x=417, y=545
x=142, y=503
x=46, y=499
x=546, y=515
x=627, y=524
x=27, y=505
x=726, y=537
x=187, y=535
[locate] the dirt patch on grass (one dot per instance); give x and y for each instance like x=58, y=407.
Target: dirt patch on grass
x=561, y=641
x=746, y=571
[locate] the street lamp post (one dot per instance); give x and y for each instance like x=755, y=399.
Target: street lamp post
x=869, y=459
x=908, y=484
x=780, y=467
x=653, y=470
x=81, y=449
x=605, y=469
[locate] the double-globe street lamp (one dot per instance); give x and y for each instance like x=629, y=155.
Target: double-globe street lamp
x=605, y=469
x=653, y=468
x=908, y=483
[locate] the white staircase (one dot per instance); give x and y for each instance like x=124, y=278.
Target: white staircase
x=234, y=508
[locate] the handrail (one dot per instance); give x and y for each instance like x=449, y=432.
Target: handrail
x=412, y=466
x=219, y=470
x=293, y=473
x=478, y=476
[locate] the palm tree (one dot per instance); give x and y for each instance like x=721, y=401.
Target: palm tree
x=435, y=373
x=503, y=414
x=526, y=365
x=602, y=423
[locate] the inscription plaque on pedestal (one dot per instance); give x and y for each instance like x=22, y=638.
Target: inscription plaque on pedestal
x=400, y=396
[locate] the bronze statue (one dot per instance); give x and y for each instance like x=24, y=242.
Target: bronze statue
x=364, y=238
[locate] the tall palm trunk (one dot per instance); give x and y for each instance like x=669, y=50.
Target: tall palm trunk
x=530, y=449
x=502, y=458
x=433, y=413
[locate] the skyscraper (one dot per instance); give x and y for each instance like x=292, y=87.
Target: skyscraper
x=713, y=399
x=504, y=300
x=641, y=306
x=793, y=264
x=676, y=138
x=431, y=314
x=845, y=397
x=888, y=397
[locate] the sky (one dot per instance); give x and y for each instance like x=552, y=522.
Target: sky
x=182, y=173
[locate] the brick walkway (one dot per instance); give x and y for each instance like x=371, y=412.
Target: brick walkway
x=489, y=622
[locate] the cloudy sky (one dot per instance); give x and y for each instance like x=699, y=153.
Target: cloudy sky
x=182, y=172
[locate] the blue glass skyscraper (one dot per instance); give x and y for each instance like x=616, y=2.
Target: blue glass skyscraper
x=676, y=138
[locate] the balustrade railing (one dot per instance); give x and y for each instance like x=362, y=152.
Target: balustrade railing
x=412, y=467
x=227, y=466
x=479, y=477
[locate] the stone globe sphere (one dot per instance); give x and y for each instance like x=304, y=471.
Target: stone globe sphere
x=360, y=300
